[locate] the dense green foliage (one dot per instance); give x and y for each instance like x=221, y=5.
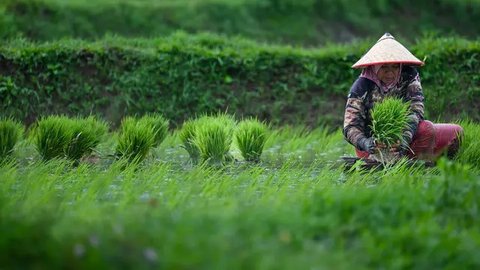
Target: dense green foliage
x=180, y=76
x=296, y=209
x=310, y=22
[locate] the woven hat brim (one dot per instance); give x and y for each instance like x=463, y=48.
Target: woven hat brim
x=413, y=63
x=387, y=51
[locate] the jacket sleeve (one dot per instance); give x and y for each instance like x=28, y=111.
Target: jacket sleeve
x=355, y=118
x=415, y=96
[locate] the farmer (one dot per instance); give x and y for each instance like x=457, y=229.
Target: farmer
x=389, y=71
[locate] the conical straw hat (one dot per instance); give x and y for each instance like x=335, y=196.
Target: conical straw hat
x=387, y=51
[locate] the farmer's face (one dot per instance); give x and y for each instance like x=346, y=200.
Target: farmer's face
x=388, y=72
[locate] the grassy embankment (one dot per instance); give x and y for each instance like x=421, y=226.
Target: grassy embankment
x=182, y=75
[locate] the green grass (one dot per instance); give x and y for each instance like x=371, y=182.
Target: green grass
x=296, y=209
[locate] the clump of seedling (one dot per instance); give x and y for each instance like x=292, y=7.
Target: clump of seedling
x=250, y=137
x=135, y=140
x=52, y=135
x=62, y=137
x=159, y=125
x=86, y=135
x=389, y=120
x=11, y=131
x=208, y=139
x=187, y=136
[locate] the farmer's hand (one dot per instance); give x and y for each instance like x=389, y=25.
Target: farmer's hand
x=366, y=144
x=396, y=148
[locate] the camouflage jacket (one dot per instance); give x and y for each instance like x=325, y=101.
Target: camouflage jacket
x=363, y=95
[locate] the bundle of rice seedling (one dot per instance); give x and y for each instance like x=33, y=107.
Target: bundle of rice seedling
x=135, y=140
x=469, y=152
x=389, y=121
x=160, y=127
x=187, y=136
x=10, y=133
x=213, y=138
x=86, y=135
x=51, y=136
x=250, y=137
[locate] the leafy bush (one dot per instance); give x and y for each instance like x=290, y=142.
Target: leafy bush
x=250, y=137
x=135, y=140
x=11, y=132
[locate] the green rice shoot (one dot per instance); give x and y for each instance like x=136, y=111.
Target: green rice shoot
x=389, y=121
x=135, y=140
x=11, y=131
x=250, y=137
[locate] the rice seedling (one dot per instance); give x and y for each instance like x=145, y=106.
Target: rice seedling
x=160, y=127
x=86, y=134
x=52, y=135
x=469, y=151
x=389, y=120
x=214, y=135
x=135, y=140
x=187, y=135
x=10, y=133
x=250, y=137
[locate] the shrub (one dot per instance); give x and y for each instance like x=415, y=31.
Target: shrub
x=52, y=136
x=135, y=140
x=86, y=134
x=250, y=137
x=11, y=132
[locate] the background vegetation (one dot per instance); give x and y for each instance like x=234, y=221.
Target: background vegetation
x=182, y=75
x=307, y=22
